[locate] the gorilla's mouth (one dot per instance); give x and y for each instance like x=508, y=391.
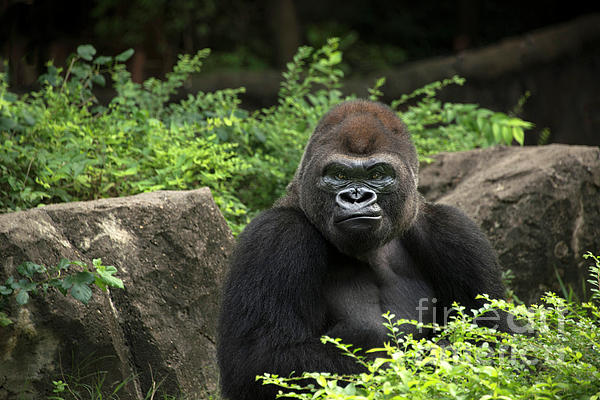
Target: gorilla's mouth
x=358, y=218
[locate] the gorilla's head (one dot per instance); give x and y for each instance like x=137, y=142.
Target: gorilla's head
x=357, y=181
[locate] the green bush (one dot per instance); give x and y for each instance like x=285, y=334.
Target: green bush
x=558, y=357
x=60, y=144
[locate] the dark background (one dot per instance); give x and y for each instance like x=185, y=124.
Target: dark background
x=252, y=40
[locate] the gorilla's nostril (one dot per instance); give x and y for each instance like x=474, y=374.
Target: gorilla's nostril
x=350, y=196
x=365, y=196
x=356, y=197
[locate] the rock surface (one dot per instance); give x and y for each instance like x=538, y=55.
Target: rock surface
x=171, y=251
x=540, y=207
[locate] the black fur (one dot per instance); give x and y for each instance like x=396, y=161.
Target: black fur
x=298, y=273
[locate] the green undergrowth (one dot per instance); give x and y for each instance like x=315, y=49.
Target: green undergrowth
x=60, y=143
x=555, y=354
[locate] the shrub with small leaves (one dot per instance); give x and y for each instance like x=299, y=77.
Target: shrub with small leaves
x=34, y=278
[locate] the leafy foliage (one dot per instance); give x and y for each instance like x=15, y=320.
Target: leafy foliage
x=454, y=127
x=61, y=144
x=594, y=280
x=35, y=278
x=555, y=355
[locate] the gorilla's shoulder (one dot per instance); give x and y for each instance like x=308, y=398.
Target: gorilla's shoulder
x=280, y=229
x=445, y=219
x=277, y=220
x=441, y=228
x=443, y=231
x=278, y=241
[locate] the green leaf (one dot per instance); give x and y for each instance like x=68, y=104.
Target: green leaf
x=28, y=119
x=518, y=134
x=335, y=58
x=79, y=285
x=22, y=297
x=103, y=60
x=10, y=282
x=321, y=381
x=86, y=51
x=99, y=80
x=4, y=320
x=350, y=390
x=82, y=293
x=259, y=135
x=5, y=291
x=124, y=56
x=78, y=263
x=29, y=269
x=480, y=123
x=81, y=71
x=25, y=284
x=222, y=133
x=64, y=264
x=10, y=97
x=105, y=275
x=488, y=370
x=496, y=132
x=507, y=134
x=7, y=123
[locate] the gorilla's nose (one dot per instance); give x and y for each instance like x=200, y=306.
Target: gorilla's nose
x=355, y=198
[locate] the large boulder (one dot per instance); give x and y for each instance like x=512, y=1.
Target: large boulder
x=171, y=251
x=540, y=207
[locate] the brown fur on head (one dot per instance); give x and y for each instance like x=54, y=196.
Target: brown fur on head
x=361, y=127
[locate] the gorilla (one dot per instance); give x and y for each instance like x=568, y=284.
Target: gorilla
x=351, y=239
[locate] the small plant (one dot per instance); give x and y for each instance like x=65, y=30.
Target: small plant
x=81, y=384
x=86, y=380
x=35, y=278
x=59, y=388
x=594, y=275
x=507, y=278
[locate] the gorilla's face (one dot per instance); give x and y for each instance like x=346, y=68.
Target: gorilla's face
x=355, y=185
x=361, y=203
x=357, y=181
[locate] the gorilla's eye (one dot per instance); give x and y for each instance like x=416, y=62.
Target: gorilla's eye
x=376, y=175
x=340, y=175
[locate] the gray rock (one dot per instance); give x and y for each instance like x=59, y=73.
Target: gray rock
x=171, y=251
x=540, y=207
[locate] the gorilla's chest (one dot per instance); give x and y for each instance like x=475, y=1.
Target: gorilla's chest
x=359, y=292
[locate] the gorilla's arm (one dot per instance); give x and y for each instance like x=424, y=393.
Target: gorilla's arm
x=456, y=257
x=273, y=308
